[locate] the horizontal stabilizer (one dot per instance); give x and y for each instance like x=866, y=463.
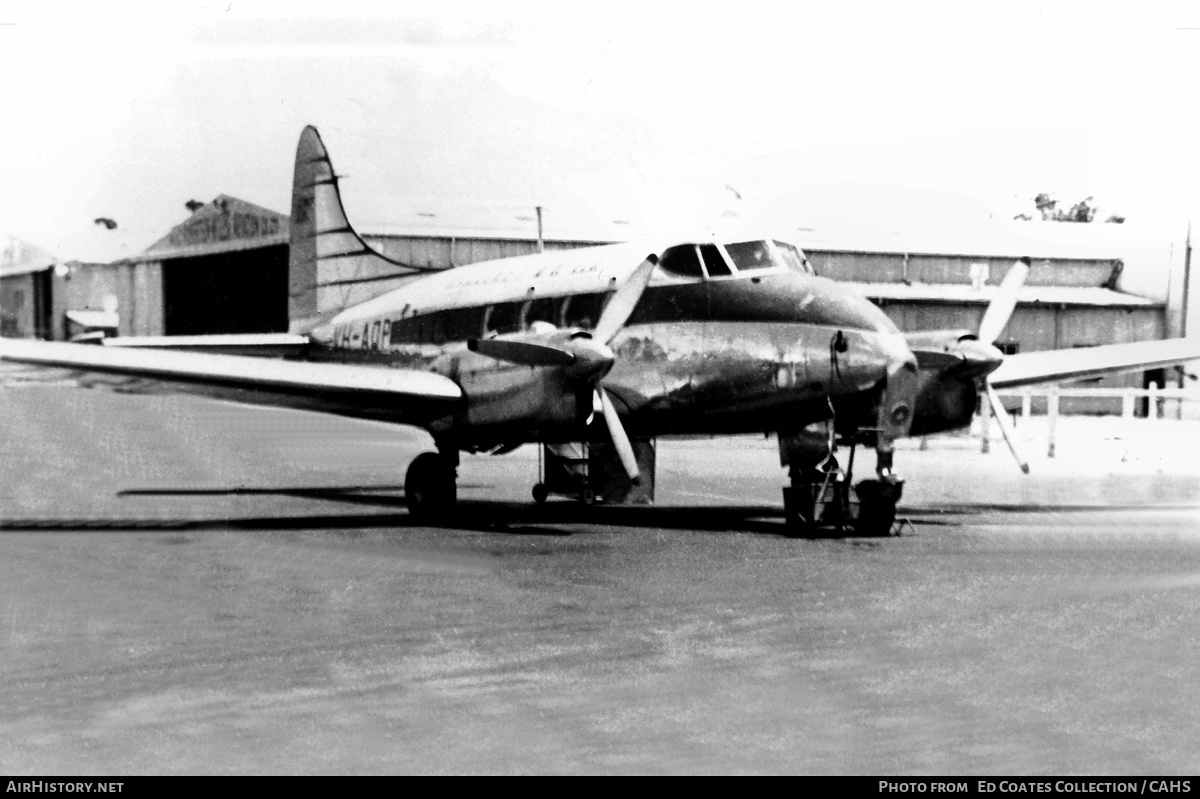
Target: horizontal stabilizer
x=1056, y=366
x=257, y=344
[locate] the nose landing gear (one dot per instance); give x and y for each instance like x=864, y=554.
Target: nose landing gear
x=821, y=499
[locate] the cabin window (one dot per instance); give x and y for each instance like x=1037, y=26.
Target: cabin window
x=421, y=331
x=682, y=261
x=583, y=310
x=464, y=323
x=749, y=255
x=544, y=309
x=504, y=317
x=435, y=330
x=714, y=261
x=404, y=331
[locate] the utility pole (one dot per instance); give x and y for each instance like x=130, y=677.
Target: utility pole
x=1183, y=322
x=1187, y=279
x=541, y=241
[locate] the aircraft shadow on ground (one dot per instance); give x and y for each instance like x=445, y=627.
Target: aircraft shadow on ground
x=519, y=518
x=493, y=516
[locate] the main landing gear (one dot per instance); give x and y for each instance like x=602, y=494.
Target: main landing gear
x=430, y=486
x=821, y=499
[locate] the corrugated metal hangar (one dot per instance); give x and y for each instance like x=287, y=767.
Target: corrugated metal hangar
x=224, y=270
x=1065, y=303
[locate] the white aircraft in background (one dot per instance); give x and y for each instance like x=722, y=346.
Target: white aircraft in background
x=701, y=337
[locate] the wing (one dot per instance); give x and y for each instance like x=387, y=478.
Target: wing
x=398, y=395
x=1054, y=366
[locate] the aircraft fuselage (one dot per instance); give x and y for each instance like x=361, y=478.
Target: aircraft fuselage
x=760, y=349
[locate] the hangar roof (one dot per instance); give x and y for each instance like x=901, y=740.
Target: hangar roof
x=19, y=257
x=464, y=220
x=227, y=224
x=1037, y=240
x=1031, y=295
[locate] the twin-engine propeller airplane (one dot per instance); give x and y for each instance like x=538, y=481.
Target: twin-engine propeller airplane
x=698, y=338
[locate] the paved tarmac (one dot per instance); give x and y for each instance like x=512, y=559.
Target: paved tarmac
x=188, y=587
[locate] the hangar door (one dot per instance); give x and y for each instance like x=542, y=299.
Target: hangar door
x=232, y=292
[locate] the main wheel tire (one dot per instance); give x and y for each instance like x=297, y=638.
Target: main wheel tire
x=429, y=486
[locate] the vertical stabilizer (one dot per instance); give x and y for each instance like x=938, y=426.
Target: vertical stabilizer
x=330, y=266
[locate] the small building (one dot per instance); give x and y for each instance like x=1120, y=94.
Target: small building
x=25, y=289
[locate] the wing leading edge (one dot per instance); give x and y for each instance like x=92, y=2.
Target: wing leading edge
x=1054, y=366
x=400, y=395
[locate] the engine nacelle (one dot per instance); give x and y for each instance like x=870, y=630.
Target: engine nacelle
x=952, y=362
x=525, y=398
x=945, y=401
x=539, y=382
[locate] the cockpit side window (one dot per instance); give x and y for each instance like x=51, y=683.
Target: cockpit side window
x=793, y=257
x=749, y=255
x=682, y=261
x=714, y=261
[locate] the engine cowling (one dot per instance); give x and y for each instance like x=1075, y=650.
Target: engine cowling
x=951, y=363
x=945, y=401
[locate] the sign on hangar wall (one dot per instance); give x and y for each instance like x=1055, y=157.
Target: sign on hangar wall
x=227, y=224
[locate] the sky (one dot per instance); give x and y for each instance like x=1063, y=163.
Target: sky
x=623, y=117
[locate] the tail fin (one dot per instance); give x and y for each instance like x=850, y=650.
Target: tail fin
x=330, y=266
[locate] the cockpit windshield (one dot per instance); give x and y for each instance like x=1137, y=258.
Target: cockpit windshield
x=682, y=261
x=750, y=255
x=714, y=262
x=793, y=257
x=708, y=260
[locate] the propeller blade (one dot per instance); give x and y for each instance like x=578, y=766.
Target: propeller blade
x=523, y=352
x=1001, y=308
x=624, y=301
x=619, y=439
x=1005, y=425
